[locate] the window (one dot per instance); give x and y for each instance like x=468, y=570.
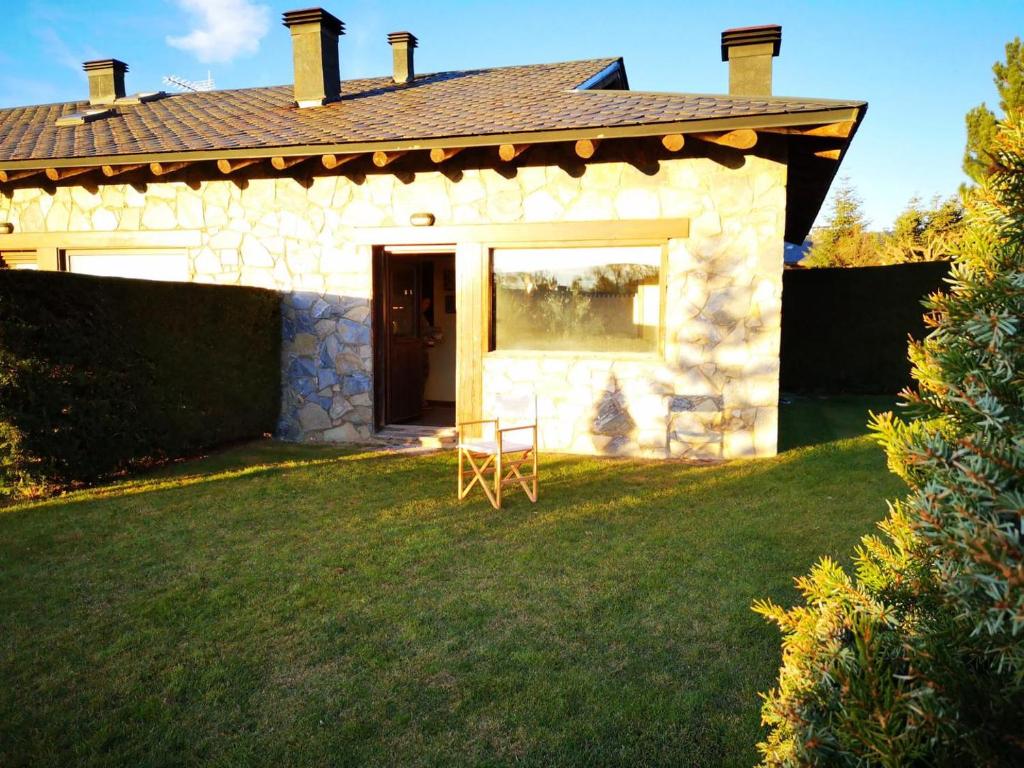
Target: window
x=141, y=265
x=19, y=260
x=577, y=299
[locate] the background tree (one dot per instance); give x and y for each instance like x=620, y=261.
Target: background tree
x=919, y=659
x=844, y=240
x=924, y=233
x=981, y=121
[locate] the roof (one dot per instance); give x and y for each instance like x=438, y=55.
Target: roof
x=480, y=102
x=539, y=102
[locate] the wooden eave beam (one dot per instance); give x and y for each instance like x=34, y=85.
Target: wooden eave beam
x=741, y=138
x=439, y=155
x=829, y=154
x=162, y=169
x=330, y=162
x=226, y=166
x=58, y=174
x=116, y=170
x=282, y=163
x=586, y=148
x=673, y=142
x=382, y=159
x=509, y=152
x=6, y=176
x=840, y=130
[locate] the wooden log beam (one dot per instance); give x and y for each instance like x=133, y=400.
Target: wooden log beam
x=440, y=154
x=585, y=148
x=281, y=163
x=162, y=169
x=6, y=176
x=829, y=154
x=116, y=170
x=57, y=174
x=509, y=152
x=673, y=142
x=742, y=138
x=840, y=130
x=382, y=159
x=330, y=162
x=226, y=166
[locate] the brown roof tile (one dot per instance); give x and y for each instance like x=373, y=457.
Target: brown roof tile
x=443, y=105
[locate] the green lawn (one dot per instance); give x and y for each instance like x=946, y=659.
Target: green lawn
x=285, y=605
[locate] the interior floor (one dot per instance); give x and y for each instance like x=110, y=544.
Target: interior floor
x=435, y=415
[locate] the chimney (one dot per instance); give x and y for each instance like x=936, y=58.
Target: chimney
x=315, y=35
x=402, y=45
x=749, y=51
x=106, y=80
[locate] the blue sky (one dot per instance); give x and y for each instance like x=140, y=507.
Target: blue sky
x=921, y=65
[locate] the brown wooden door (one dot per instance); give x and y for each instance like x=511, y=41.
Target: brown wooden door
x=403, y=386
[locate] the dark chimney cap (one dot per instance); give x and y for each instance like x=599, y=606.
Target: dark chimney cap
x=765, y=33
x=115, y=65
x=327, y=21
x=403, y=37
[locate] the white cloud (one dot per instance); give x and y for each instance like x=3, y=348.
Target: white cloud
x=225, y=29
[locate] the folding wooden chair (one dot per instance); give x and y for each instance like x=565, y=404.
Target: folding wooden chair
x=497, y=462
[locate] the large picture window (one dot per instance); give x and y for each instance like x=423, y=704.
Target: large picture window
x=577, y=299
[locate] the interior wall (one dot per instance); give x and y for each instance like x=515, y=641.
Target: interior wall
x=440, y=384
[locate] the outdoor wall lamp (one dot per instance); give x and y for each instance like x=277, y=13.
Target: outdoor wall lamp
x=422, y=219
x=6, y=227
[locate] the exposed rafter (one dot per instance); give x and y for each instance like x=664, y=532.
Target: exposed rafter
x=673, y=142
x=441, y=154
x=281, y=163
x=162, y=169
x=57, y=174
x=585, y=148
x=230, y=166
x=116, y=170
x=382, y=159
x=330, y=162
x=742, y=138
x=509, y=152
x=841, y=130
x=6, y=176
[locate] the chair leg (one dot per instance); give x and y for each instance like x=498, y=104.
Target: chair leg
x=535, y=479
x=460, y=474
x=479, y=476
x=497, y=480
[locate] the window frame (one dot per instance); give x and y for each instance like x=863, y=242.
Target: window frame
x=659, y=348
x=66, y=254
x=14, y=259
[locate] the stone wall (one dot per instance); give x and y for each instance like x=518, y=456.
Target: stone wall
x=712, y=395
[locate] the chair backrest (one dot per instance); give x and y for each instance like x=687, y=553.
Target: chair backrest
x=515, y=408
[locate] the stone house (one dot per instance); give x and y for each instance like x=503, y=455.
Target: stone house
x=440, y=238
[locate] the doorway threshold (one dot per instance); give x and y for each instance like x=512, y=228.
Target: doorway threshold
x=417, y=436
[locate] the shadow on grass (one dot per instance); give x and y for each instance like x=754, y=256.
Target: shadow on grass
x=806, y=420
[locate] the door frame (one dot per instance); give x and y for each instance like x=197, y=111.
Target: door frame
x=380, y=338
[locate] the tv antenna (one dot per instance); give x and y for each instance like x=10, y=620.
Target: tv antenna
x=195, y=86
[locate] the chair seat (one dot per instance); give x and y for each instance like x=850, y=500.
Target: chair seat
x=491, y=446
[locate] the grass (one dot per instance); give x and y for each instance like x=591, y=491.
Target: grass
x=278, y=604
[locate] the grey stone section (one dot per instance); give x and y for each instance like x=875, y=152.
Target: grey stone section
x=327, y=363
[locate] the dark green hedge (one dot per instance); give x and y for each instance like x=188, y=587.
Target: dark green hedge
x=845, y=330
x=98, y=375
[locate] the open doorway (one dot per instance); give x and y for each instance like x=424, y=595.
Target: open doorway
x=415, y=340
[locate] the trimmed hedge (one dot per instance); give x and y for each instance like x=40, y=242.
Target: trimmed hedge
x=845, y=329
x=99, y=375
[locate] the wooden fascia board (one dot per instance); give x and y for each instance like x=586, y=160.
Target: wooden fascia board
x=816, y=117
